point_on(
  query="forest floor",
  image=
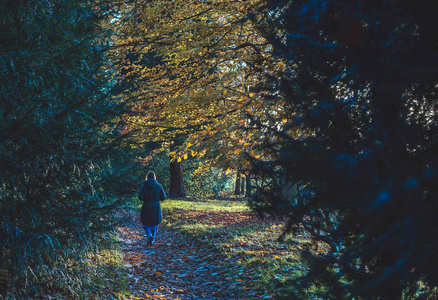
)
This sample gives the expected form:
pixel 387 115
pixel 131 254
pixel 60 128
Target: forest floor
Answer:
pixel 206 250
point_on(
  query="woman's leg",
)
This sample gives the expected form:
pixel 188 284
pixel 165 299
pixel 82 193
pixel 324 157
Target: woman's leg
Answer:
pixel 154 232
pixel 148 230
pixel 151 231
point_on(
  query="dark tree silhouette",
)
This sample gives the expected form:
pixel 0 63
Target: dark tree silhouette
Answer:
pixel 237 184
pixel 176 185
pixel 248 186
pixel 360 84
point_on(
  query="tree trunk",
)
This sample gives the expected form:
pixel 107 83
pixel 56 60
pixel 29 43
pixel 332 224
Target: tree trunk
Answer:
pixel 242 186
pixel 237 188
pixel 248 186
pixel 176 189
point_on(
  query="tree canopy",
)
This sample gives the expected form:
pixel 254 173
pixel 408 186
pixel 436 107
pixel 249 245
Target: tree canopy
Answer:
pixel 193 65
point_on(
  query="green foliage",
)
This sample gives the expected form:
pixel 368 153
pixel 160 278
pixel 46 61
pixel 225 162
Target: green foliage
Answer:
pixel 203 182
pixel 209 205
pixel 55 140
pixel 106 274
pixel 128 172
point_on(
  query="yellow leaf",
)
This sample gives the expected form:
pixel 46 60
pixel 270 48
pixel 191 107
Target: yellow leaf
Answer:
pixel 276 258
pixel 210 90
pixel 185 156
pixel 179 159
pixel 251 94
pixel 281 64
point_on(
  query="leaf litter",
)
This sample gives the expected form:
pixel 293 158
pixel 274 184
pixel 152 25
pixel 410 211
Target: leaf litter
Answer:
pixel 174 268
pixel 203 264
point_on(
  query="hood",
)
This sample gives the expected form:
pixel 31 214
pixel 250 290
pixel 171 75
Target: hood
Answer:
pixel 150 183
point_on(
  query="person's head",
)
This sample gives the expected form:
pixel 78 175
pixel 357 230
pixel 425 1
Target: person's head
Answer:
pixel 151 175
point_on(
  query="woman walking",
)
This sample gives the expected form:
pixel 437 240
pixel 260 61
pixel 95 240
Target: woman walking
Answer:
pixel 151 193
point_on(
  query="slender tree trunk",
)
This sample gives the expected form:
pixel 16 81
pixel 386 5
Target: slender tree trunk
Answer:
pixel 248 186
pixel 176 189
pixel 237 188
pixel 242 186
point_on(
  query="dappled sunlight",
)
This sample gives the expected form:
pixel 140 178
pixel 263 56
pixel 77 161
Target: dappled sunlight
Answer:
pixel 212 241
pixel 265 263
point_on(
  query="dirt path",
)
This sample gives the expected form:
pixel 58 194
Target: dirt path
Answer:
pixel 173 268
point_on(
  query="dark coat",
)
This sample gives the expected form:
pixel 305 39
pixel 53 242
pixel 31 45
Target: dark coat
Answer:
pixel 151 193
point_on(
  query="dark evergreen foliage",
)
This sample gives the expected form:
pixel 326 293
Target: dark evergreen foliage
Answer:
pixel 54 116
pixel 360 83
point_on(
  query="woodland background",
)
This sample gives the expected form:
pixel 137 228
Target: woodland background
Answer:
pixel 328 109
